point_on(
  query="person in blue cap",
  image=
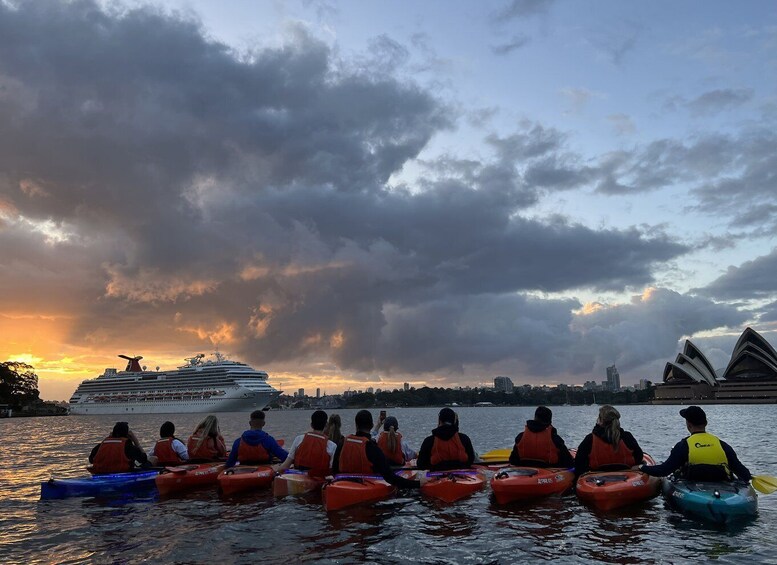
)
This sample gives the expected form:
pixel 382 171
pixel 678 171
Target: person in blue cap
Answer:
pixel 701 456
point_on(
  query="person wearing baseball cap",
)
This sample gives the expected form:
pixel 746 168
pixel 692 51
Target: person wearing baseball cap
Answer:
pixel 701 456
pixel 539 444
pixel 446 448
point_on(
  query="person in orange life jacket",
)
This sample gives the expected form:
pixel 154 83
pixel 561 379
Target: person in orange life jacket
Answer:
pixel 392 444
pixel 607 447
pixel 206 443
pixel 539 445
pixel 255 446
pixel 118 452
pixel 446 448
pixel 169 450
pixel 360 455
pixel 312 451
pixel 700 456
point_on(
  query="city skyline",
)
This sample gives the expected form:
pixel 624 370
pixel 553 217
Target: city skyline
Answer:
pixel 351 195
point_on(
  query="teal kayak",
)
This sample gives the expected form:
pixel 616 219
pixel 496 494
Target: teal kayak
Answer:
pixel 722 503
pixel 97 485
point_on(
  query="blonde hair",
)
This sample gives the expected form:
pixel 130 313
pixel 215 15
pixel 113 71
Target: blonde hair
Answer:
pixel 391 440
pixel 332 429
pixel 609 419
pixel 209 427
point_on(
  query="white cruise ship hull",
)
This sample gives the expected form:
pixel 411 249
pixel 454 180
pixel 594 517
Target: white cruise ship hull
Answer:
pixel 238 404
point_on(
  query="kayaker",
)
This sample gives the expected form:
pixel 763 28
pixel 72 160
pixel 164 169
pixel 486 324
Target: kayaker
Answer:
pixel 312 451
pixel 539 444
pixel 360 455
pixel 701 456
pixel 255 446
pixel 608 447
pixel 169 450
pixel 333 429
pixel 392 444
pixel 207 443
pixel 446 448
pixel 119 452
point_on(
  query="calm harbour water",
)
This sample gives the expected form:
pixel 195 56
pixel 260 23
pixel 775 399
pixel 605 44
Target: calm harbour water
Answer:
pixel 202 528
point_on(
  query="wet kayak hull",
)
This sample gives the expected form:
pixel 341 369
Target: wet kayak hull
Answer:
pixel 97 485
pixel 513 484
pixel 344 491
pixel 616 489
pixel 175 480
pixel 450 486
pixel 295 483
pixel 245 478
pixel 721 503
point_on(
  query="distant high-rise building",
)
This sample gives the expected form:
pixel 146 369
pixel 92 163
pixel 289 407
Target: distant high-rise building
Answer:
pixel 503 384
pixel 370 389
pixel 643 384
pixel 613 379
pixel 377 391
pixel 301 393
pixel 318 393
pixel 407 386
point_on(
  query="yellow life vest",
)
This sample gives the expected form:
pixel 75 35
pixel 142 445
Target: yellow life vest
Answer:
pixel 705 449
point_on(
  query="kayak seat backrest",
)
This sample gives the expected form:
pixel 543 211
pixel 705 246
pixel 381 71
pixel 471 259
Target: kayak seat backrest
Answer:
pixel 604 479
pixel 517 473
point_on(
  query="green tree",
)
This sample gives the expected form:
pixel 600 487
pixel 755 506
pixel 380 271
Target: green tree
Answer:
pixel 18 384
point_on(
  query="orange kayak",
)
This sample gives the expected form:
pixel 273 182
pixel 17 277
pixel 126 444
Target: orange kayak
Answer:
pixel 349 490
pixel 614 489
pixel 295 483
pixel 244 478
pixel 173 480
pixel 525 483
pixel 450 486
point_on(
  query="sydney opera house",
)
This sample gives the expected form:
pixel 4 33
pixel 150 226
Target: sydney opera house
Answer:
pixel 749 378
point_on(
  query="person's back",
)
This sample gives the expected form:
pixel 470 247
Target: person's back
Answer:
pixel 608 446
pixel 701 456
pixel 255 446
pixel 168 450
pixel 446 448
pixel 312 451
pixel 206 443
pixel 390 442
pixel 118 452
pixel 539 445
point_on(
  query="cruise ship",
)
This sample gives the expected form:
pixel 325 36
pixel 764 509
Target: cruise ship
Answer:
pixel 201 385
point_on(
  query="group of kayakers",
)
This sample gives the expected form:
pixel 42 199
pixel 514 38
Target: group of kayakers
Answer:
pixel 378 448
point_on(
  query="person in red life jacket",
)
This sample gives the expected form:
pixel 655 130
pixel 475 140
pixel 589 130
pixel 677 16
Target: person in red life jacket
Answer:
pixel 119 452
pixel 360 455
pixel 539 445
pixel 701 456
pixel 255 446
pixel 206 443
pixel 446 448
pixel 608 447
pixel 312 451
pixel 169 450
pixel 392 444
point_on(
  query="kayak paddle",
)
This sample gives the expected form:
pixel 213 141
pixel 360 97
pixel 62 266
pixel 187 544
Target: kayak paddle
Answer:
pixel 765 484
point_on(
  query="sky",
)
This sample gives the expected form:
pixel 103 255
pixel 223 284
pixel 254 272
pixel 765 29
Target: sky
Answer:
pixel 361 194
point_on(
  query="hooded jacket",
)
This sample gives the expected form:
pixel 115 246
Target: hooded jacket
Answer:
pixel 445 433
pixel 584 449
pixel 565 458
pixel 254 438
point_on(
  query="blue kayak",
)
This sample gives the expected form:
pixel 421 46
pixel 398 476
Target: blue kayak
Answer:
pixel 722 503
pixel 97 485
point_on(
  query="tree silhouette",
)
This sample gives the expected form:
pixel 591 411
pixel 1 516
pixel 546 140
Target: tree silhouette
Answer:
pixel 18 384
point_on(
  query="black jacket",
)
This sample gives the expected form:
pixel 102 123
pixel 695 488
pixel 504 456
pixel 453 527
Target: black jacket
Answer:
pixel 380 464
pixel 584 449
pixel 132 452
pixel 444 432
pixel 678 459
pixel 564 457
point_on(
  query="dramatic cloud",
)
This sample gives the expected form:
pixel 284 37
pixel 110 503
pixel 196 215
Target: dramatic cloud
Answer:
pixel 158 187
pixel 515 43
pixel 752 279
pixel 719 100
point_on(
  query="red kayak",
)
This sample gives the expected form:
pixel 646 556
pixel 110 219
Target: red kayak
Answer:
pixel 526 483
pixel 245 478
pixel 450 486
pixel 614 489
pixel 295 483
pixel 349 490
pixel 173 480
